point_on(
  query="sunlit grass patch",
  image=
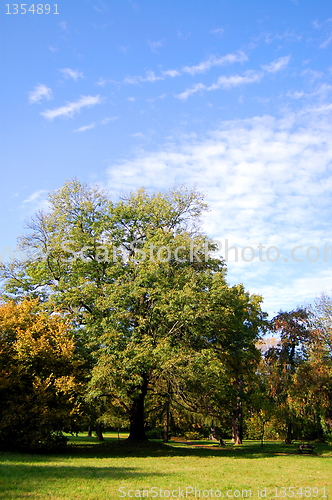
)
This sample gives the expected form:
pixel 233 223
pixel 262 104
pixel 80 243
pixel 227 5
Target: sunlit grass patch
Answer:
pixel 115 468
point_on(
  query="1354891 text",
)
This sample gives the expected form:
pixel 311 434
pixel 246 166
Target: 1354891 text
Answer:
pixel 34 8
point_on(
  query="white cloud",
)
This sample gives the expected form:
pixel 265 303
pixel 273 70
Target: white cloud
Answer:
pixel 204 66
pixel 63 26
pixel 296 94
pixel 72 107
pixel 40 92
pixel 188 92
pixel 290 36
pixel 85 127
pixel 152 100
pixel 101 26
pixel 35 196
pixel 217 31
pixel 171 72
pixel 71 73
pixel 101 7
pixel 267 181
pixel 299 292
pixel 154 46
pixel 225 82
pixel 321 92
pixel 101 82
pixel 277 65
pixel 312 74
pixel 183 36
pixel 318 25
pixel 150 77
pixel 35 202
pixel 326 43
pixel 109 119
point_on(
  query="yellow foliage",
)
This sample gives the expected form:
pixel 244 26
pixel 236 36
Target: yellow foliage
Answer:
pixel 38 375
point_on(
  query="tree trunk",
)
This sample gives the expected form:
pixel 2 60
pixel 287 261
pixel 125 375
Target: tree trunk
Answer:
pixel 289 435
pixel 89 431
pixel 263 432
pixel 319 427
pixel 213 434
pixel 237 428
pixel 99 432
pixel 136 416
pixel 166 422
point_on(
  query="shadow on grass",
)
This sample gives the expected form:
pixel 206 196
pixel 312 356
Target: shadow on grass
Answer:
pixel 83 447
pixel 21 469
pixel 122 448
pixel 21 479
pixel 22 473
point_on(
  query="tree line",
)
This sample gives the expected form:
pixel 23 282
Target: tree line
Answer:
pixel 121 315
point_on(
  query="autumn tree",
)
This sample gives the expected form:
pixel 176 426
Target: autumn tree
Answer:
pixel 315 377
pixel 284 363
pixel 39 377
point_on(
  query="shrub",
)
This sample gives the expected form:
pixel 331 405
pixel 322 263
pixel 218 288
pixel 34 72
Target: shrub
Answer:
pixel 154 434
pixel 193 436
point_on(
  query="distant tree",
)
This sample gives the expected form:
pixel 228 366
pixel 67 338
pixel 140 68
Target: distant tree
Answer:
pixel 284 363
pixel 315 377
pixel 39 377
pixel 261 406
pixel 234 357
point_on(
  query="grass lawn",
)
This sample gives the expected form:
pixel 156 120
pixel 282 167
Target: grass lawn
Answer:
pixel 89 470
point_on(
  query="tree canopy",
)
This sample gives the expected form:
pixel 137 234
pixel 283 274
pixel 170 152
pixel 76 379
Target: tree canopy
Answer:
pixel 150 309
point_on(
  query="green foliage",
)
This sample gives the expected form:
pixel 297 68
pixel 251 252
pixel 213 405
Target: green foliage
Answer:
pixel 154 433
pixel 193 436
pixel 150 301
pixel 165 339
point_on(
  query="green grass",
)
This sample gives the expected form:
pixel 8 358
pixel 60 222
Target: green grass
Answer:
pixel 89 470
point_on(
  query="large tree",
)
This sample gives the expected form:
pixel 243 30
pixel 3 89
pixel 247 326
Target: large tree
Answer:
pixel 140 282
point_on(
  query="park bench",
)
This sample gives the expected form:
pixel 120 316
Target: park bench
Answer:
pixel 306 448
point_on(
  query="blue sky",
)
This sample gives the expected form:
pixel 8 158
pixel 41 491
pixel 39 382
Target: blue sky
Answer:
pixel 230 96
